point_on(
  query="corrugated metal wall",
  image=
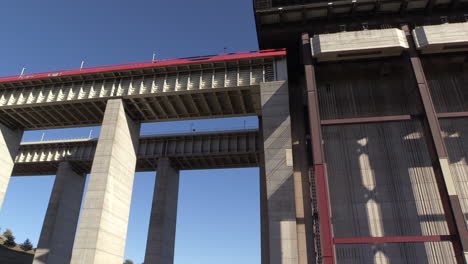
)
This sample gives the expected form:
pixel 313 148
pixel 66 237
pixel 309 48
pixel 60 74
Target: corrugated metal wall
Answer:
pixel 455 132
pixel 380 174
pixel 449 87
pixel 382 184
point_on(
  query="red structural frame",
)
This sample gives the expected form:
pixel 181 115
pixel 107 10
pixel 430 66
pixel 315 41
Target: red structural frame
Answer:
pixel 147 64
pixel 391 239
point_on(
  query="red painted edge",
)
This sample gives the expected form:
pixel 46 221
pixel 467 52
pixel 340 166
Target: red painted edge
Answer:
pixel 324 217
pixel 147 64
pixel 391 239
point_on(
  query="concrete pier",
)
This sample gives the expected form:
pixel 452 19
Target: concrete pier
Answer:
pixel 9 145
pixel 103 225
pixel 162 229
pixel 278 169
pixel 58 231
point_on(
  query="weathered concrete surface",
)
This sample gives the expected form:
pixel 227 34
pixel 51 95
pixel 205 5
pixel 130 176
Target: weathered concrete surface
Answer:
pixel 442 38
pixel 359 44
pixel 162 229
pixel 104 220
pixel 278 174
pixel 58 231
pixel 9 145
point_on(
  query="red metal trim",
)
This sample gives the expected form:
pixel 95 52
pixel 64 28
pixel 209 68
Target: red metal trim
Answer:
pixel 373 119
pixel 147 64
pixel 437 151
pixel 391 239
pixel 452 115
pixel 325 216
pixel 321 181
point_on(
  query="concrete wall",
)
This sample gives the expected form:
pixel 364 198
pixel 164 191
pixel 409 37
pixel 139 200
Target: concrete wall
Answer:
pixel 102 230
pixel 278 175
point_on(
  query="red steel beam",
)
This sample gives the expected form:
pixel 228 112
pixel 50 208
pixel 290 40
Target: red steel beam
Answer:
pixel 361 120
pixel 392 239
pixel 146 64
pixel 320 168
pixel 452 115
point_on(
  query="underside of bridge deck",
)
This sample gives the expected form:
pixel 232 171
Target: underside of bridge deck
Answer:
pixel 208 150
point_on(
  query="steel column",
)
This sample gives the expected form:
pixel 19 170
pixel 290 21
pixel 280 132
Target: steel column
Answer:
pixel 320 168
pixel 439 156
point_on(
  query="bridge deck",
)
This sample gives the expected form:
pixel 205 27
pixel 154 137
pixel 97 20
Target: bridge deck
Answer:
pixel 206 87
pixel 207 150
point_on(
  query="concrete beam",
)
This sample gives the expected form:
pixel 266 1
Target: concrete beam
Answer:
pixel 277 171
pixel 103 225
pixel 162 229
pixel 9 145
pixel 359 44
pixel 58 231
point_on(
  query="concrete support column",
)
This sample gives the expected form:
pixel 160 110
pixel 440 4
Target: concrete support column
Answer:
pixel 103 225
pixel 9 145
pixel 58 231
pixel 279 212
pixel 162 229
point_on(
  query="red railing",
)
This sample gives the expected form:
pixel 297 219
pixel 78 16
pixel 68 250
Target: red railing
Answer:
pixel 145 64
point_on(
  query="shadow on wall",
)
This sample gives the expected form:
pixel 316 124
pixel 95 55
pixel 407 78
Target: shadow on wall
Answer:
pixel 279 239
pixel 382 184
pixel 380 175
pixel 455 132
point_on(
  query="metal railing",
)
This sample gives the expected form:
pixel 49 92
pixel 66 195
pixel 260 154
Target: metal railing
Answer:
pixel 187 131
pixel 142 64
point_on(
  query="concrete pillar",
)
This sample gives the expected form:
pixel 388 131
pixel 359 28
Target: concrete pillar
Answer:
pixel 9 144
pixel 58 231
pixel 278 175
pixel 103 224
pixel 162 229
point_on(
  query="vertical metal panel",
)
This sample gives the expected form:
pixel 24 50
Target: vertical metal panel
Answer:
pixel 455 133
pixel 382 184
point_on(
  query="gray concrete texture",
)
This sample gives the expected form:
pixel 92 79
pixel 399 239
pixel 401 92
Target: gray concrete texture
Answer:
pixel 58 231
pixel 9 145
pixel 161 234
pixel 276 129
pixel 103 225
pixel 359 44
pixel 435 38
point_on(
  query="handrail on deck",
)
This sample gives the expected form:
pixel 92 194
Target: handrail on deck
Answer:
pixel 143 64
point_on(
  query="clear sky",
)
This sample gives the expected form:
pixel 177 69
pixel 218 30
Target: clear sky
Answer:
pixel 218 216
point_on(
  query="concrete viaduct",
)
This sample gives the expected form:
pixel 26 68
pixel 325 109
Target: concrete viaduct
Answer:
pixel 120 98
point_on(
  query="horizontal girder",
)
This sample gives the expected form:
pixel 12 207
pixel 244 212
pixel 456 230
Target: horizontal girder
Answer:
pixel 187 94
pixel 228 149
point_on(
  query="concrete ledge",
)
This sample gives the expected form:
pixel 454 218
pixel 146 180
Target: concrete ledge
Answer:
pixel 442 38
pixel 359 44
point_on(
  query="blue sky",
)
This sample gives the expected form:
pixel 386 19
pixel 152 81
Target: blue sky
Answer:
pixel 218 217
